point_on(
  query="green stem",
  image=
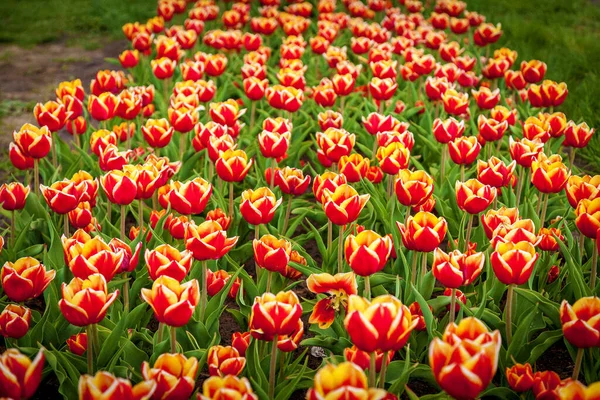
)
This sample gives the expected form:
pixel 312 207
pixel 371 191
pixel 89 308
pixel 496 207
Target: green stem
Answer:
pixel 182 145
pixel 462 172
pixel 90 350
pixel 126 292
pixel 230 199
pixel 273 167
pixel 413 275
pixel 578 361
pixel 66 224
pixel 372 370
pixel 108 211
pixel 329 234
pixel 509 306
pixel 96 339
pixel 288 211
pixel 273 368
pixel 544 208
pixel 123 214
pixel 141 216
pixel 36 176
pixel 252 115
pixel 383 371
pixel 341 250
pixel 159 332
pixel 257 232
pixel 367 287
pixel 443 163
pixel 12 229
pixel 452 305
pixel 173 331
pixel 203 293
pixel 594 266
pixel 269 280
pixel 469 229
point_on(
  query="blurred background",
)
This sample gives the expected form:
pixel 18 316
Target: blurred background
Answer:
pixel 43 42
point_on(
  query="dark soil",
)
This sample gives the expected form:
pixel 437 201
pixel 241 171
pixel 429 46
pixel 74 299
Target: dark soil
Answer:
pixel 557 359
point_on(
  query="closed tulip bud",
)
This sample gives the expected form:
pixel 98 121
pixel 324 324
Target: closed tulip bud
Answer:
pixel 32 141
pixel 582 187
pixel 588 217
pixel 173 303
pixel 367 252
pixel 455 103
pixel 219 216
pixel 119 187
pixel 513 262
pixel 19 376
pixel 81 216
pixel 14 321
pixel 233 165
pixel 13 196
pixel 382 89
pixel 435 87
pixel 494 218
pixel 52 115
pixel 343 205
pixel 258 206
pixel 524 151
pixel 328 180
pixel 413 188
pixel 157 132
pixel 129 105
pixel 86 301
pixel 271 253
pixel 547 241
pixel 102 107
pixel 240 341
pixel 382 324
pixel 273 144
pixel 77 344
pixel 417 315
pixel 549 174
pixel 447 130
pixel 520 377
pixel 473 196
pixel 18 159
pixel 177 226
pixel 225 388
pixel 465 359
pixel 577 136
pixel 581 322
pixel 163 67
pixel 101 139
pixel 354 167
pixel 190 198
pixel 167 260
pixel 216 281
pixel 335 143
pixel 104 385
pixel 208 241
pixel 456 269
pixel 274 315
pixel 423 232
pixel 76 123
pixel 533 71
pixel 225 360
pixel 174 375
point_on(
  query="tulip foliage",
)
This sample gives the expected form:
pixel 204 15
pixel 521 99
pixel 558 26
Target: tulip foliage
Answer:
pixel 303 199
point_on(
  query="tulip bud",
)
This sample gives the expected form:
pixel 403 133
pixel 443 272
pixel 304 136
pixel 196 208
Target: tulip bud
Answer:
pixel 14 321
pixel 19 376
pixel 174 375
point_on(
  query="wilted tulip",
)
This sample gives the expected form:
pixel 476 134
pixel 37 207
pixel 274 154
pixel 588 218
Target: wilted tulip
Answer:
pixel 338 287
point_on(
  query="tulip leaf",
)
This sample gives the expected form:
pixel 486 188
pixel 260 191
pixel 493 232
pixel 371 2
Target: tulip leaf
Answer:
pixel 111 344
pixel 430 321
pixel 542 343
pixel 68 376
pixel 575 277
pixel 285 388
pixel 522 333
pixel 548 307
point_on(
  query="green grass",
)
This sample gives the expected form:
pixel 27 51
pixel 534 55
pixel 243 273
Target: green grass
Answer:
pixel 565 35
pixel 81 22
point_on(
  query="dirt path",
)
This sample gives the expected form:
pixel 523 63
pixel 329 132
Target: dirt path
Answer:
pixel 30 75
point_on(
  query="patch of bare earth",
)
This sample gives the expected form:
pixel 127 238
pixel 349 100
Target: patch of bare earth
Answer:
pixel 30 75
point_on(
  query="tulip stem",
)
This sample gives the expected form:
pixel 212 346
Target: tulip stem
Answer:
pixel 368 287
pixel 288 211
pixel 382 373
pixel 413 275
pixel 66 224
pixel 203 293
pixel 123 214
pixel 273 368
pixel 342 104
pixel 36 176
pixel 231 199
pixel 252 115
pixel 594 266
pixel 159 332
pixel 173 331
pixel 269 279
pixel 578 360
pixel 462 172
pixel 340 250
pixel 126 292
pixel 273 167
pixel 469 229
pixel 90 350
pixel 372 370
pixel 443 163
pixel 452 305
pixel 329 234
pixel 544 208
pixel 571 157
pixel 12 229
pixel 509 306
pixel 108 211
pixel 182 145
pixel 54 157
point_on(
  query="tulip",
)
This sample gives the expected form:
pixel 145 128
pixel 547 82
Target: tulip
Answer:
pixel 344 204
pixel 330 119
pixel 362 358
pixel 335 143
pixel 183 117
pixel 465 359
pixel 86 301
pixel 119 187
pixel 495 172
pixel 25 279
pixel 284 97
pixel 545 384
pixel 191 197
pixel 240 341
pixel 393 158
pixel 328 180
pixel 447 130
pixel 32 141
pixel 522 230
pixel 582 187
pixel 547 241
pixel 464 150
pixel 97 257
pixel 78 343
pixel 208 241
pixel 413 188
pixel 343 381
pixel 216 281
pixel 513 262
pixel 19 160
pixel 456 269
pixel 273 144
pixel 423 232
pixel 167 260
pixel 233 165
pixel 19 376
pixel 230 386
pixel 455 103
pixel 14 321
pixel 382 89
pixel 354 167
pixel 490 129
pixel 102 107
pixel 338 287
pixel 485 98
pixel 259 206
pixel 524 151
pixel 173 303
pixel 549 174
pixel 577 136
pixel 274 315
pixel 291 181
pixel 473 196
pixel 494 218
pixel 174 375
pixel 219 216
pixel 225 360
pixel 104 385
pixel 573 389
pixel 52 115
pixel 226 113
pixel 367 252
pixel 157 132
pixel 520 377
pixel 271 253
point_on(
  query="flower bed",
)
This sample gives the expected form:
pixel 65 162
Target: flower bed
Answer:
pixel 313 200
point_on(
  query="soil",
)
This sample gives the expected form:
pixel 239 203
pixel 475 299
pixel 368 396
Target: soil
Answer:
pixel 557 359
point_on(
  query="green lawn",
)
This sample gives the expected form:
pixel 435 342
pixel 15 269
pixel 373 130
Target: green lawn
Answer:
pixel 566 35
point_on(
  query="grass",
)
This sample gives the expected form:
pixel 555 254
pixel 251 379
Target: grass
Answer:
pixel 82 22
pixel 565 35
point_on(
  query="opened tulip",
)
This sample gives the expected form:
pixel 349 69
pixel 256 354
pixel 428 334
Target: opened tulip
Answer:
pixel 274 315
pixel 456 269
pixel 32 141
pixel 96 257
pixel 465 359
pixel 167 260
pixel 343 205
pixel 581 322
pixel 190 198
pixel 524 151
pixel 25 279
pixel 367 252
pixel 447 130
pixel 495 172
pixel 271 253
pixel 473 196
pixel 208 241
pixel 520 377
pixel 393 158
pixel 19 376
pixel 228 387
pixel 174 375
pixel 464 150
pixel 513 262
pixel 86 301
pixel 413 188
pixel 13 196
pixel 103 107
pixel 423 232
pixel 354 167
pixel 14 321
pixel 577 136
pixel 259 206
pixel 338 287
pixel 573 389
pixel 225 360
pixel 105 385
pixel 173 303
pixel 549 174
pixel 233 165
pixel 119 187
pixel 52 115
pixel 382 324
pixel 494 218
pixel 273 144
pixel 78 343
pixel 343 381
pixel 335 143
